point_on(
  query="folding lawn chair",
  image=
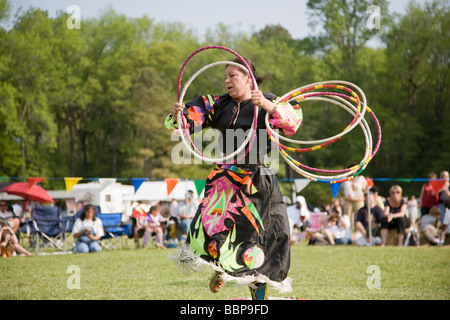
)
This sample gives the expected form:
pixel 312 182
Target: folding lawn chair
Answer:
pixel 67 223
pixel 114 230
pixel 47 227
pixel 27 231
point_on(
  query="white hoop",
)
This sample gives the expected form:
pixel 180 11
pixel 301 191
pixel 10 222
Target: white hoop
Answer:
pixel 338 100
pixel 345 131
pixel 191 148
pixel 366 131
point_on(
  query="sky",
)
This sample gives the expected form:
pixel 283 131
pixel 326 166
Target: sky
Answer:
pixel 242 15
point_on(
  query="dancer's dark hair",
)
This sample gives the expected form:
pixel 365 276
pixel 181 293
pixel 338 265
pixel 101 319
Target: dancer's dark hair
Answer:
pixel 258 79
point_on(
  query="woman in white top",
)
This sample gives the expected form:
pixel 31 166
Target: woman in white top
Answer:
pixel 338 228
pixel 88 230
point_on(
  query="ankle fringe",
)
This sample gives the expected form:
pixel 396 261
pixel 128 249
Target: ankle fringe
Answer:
pixel 188 263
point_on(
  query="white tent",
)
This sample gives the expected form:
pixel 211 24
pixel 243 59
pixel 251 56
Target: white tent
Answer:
pixel 106 193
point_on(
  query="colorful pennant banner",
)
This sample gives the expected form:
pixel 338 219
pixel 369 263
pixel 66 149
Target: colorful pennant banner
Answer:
pixel 137 183
pixel 437 184
pixel 70 182
pixel 171 183
pixel 301 184
pixel 335 189
pixel 33 181
pixel 199 185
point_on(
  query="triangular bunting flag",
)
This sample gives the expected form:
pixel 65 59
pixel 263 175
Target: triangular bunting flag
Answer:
pixel 437 184
pixel 137 183
pixel 369 182
pixel 171 183
pixel 33 181
pixel 335 189
pixel 70 182
pixel 199 185
pixel 301 184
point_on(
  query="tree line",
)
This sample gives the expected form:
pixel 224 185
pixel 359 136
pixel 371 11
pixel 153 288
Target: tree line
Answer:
pixel 91 102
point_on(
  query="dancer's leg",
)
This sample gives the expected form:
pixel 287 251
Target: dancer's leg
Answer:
pixel 259 292
pixel 216 282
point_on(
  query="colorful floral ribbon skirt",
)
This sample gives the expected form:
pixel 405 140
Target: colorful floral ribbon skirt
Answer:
pixel 241 227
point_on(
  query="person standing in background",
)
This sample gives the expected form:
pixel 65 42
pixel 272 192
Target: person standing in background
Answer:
pixel 443 194
pixel 428 197
pixel 354 190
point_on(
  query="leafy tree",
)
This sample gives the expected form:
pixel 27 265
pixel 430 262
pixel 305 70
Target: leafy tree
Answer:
pixel 418 64
pixel 28 89
pixel 345 30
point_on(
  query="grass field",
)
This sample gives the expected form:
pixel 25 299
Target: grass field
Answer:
pixel 318 273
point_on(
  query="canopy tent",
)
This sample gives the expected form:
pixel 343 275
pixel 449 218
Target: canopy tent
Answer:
pixel 106 193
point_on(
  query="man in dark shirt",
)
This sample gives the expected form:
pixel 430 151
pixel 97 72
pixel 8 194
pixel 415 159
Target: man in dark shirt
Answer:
pixel 362 222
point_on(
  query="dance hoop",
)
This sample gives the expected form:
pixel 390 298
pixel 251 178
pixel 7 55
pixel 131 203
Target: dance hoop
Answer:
pixel 184 127
pixel 353 94
pixel 297 94
pixel 342 101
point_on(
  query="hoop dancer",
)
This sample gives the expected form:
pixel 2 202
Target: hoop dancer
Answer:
pixel 241 227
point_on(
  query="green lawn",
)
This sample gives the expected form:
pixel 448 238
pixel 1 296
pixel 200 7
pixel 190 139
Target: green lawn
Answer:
pixel 318 273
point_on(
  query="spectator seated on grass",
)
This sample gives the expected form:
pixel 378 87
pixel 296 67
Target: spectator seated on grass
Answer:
pixel 88 230
pixel 394 216
pixel 155 226
pixel 335 228
pixel 428 226
pixel 362 235
pixel 338 227
pixel 138 220
pixel 9 244
pixel 445 227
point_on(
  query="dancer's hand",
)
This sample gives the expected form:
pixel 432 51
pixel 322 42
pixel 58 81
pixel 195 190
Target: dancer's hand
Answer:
pixel 259 99
pixel 175 108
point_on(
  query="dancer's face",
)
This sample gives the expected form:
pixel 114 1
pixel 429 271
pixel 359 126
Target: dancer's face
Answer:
pixel 238 83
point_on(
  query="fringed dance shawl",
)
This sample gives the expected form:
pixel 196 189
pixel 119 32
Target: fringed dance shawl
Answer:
pixel 241 226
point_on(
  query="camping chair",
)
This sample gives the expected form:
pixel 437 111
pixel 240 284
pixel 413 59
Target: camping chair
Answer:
pixel 112 224
pixel 47 225
pixel 27 231
pixel 67 223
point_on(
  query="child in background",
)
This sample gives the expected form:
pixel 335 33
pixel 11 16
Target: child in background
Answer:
pixel 428 225
pixel 154 224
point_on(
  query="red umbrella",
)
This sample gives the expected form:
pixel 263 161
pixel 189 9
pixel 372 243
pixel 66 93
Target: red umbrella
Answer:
pixel 29 192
